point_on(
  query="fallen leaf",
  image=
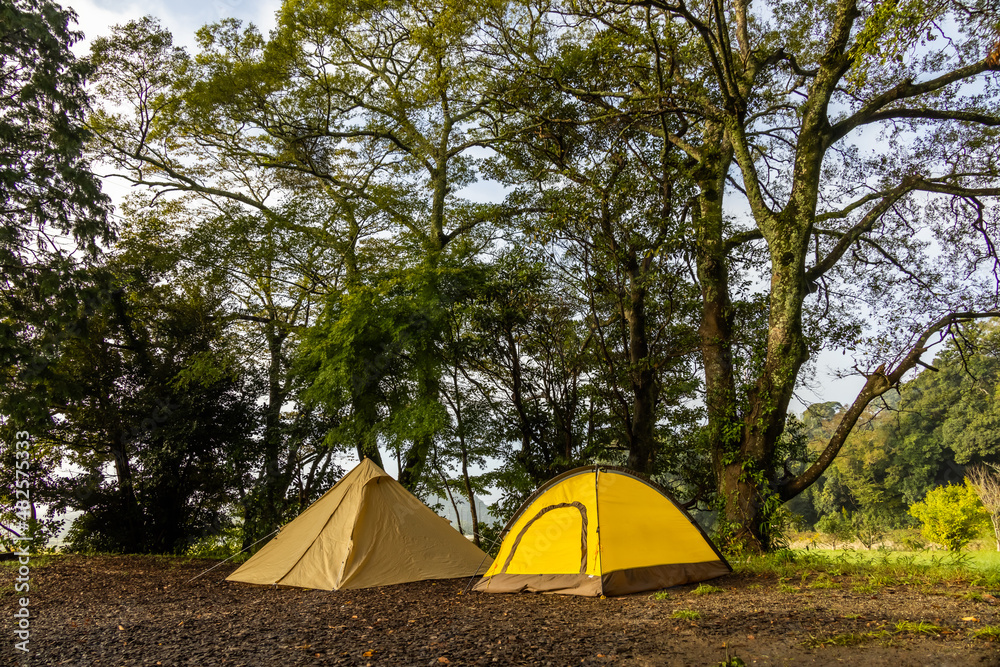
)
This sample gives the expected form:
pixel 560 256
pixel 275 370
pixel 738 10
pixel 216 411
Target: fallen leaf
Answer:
pixel 443 660
pixel 121 627
pixel 367 654
pixel 971 619
pixel 749 636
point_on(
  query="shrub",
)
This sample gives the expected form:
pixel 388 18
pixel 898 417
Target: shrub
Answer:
pixel 836 526
pixel 951 515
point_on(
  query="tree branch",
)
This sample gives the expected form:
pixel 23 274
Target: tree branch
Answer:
pixel 904 90
pixel 876 384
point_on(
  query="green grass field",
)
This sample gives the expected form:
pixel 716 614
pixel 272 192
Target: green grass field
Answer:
pixel 971 559
pixel 879 568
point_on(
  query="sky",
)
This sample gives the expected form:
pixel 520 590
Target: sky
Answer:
pixel 184 17
pixel 181 17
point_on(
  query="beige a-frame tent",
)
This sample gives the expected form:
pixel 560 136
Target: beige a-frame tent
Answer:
pixel 600 530
pixel 367 530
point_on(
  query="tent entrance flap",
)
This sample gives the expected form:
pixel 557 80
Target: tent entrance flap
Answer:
pixel 546 539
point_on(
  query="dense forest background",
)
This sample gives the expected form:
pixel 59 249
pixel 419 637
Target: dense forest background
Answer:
pixel 687 206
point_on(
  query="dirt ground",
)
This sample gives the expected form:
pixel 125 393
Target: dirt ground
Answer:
pixel 89 611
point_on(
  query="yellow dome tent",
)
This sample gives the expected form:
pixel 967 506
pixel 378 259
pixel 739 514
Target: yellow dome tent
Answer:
pixel 601 531
pixel 367 530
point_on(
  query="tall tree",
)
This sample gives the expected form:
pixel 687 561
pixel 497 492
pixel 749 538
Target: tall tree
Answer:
pixel 53 215
pixel 148 389
pixel 46 186
pixel 271 280
pixel 525 350
pixel 609 205
pixel 258 234
pixel 378 107
pixel 776 107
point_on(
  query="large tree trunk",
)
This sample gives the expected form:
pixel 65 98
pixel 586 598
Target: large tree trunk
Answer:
pixel 642 445
pixel 130 514
pixel 725 430
pixel 264 508
pixel 427 332
pixel 746 482
pixel 364 384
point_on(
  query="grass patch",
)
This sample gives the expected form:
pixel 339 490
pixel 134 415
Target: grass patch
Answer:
pixel 866 572
pixel 918 628
pixel 880 635
pixel 686 614
pixel 36 561
pixel 849 639
pixel 824 581
pixel 785 587
pixel 732 661
pixel 707 589
pixel 990 633
pixel 660 595
pixel 973 596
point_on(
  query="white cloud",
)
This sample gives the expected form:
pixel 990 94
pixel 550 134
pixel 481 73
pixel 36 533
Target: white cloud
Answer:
pixel 95 18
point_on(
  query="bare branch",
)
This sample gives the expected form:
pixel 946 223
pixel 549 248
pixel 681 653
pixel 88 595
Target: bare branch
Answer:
pixel 876 384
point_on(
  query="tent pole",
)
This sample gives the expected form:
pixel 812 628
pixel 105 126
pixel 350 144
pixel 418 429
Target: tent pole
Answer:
pixel 597 523
pixel 486 555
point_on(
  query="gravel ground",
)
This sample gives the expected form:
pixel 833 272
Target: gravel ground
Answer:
pixel 89 611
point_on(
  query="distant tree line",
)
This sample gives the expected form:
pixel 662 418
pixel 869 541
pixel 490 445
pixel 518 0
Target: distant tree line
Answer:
pixel 938 427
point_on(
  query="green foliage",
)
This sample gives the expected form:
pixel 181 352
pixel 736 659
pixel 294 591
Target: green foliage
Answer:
pixel 222 545
pixel 707 589
pixel 951 515
pixel 686 614
pixel 988 633
pixel 836 526
pixel 918 627
pixel 149 390
pixel 40 531
pixel 45 183
pixel 785 587
pixel 940 423
pixel 53 219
